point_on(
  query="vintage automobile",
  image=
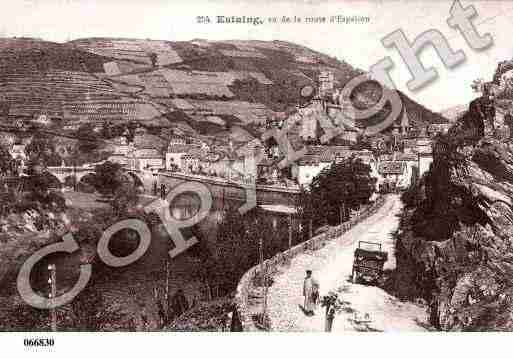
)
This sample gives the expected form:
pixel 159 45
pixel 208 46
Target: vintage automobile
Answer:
pixel 368 263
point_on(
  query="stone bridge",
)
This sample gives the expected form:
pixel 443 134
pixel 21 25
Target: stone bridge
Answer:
pixel 222 188
pixel 219 187
pixel 67 174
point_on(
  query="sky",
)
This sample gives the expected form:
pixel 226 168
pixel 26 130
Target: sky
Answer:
pixel 358 44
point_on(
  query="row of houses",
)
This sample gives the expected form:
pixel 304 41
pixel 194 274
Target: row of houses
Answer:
pixel 188 155
pixel 396 170
pixel 253 162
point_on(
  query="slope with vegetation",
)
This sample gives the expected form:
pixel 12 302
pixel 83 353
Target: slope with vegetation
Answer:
pixel 454 245
pixel 100 80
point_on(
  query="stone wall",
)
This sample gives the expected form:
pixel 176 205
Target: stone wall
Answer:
pixel 246 284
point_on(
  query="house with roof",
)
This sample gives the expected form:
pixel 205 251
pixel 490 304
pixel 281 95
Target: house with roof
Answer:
pixel 189 163
pixel 120 159
pixel 245 159
pixel 339 152
pixel 412 163
pixel 120 145
pixel 17 152
pixel 218 167
pixel 173 157
pixel 317 159
pixel 146 158
pixel 503 121
pixel 366 156
pixel 120 149
pixel 268 171
pixel 177 140
pixel 438 128
pixel 410 145
pixel 393 174
pixel 425 155
pixel 409 158
pixel 310 165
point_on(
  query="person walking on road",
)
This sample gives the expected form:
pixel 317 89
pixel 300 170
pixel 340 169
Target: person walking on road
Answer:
pixel 310 292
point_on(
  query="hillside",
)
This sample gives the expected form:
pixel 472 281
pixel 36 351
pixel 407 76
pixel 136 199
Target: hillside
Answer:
pixel 209 86
pixel 454 247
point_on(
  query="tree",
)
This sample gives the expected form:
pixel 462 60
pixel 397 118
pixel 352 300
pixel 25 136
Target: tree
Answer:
pixel 7 163
pixel 205 265
pixel 125 199
pixel 238 244
pixel 38 184
pixel 343 186
pixel 108 178
pixel 88 232
pixel 89 312
pixel 231 261
pixel 41 148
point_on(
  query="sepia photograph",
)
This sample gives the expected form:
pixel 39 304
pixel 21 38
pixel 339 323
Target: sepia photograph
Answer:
pixel 255 167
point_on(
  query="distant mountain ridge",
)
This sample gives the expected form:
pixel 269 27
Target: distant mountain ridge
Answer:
pixel 206 86
pixel 453 113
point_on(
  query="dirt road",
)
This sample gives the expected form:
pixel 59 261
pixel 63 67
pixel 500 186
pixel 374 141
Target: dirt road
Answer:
pixel 331 266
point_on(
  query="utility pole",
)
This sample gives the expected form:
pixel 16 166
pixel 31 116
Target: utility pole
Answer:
pixel 263 274
pixel 223 200
pixel 261 254
pixel 74 174
pixel 311 230
pixel 167 297
pixel 52 281
pixel 266 289
pixel 290 230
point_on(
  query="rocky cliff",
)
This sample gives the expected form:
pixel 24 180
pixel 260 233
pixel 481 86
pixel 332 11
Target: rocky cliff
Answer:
pixel 454 246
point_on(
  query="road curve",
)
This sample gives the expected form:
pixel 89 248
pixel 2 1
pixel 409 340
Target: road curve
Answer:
pixel 331 266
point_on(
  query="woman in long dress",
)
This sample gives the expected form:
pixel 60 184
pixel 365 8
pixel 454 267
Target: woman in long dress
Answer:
pixel 310 292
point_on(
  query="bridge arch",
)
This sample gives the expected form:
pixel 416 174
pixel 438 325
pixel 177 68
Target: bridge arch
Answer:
pixel 53 180
pixel 63 173
pixel 81 175
pixel 85 183
pixel 70 181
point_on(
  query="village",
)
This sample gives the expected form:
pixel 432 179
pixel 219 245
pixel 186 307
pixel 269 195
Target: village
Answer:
pixel 250 169
pixel 396 159
pixel 300 169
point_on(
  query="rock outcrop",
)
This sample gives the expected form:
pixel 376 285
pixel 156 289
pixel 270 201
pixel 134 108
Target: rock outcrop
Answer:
pixel 454 246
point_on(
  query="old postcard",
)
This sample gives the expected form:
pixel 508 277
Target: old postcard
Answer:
pixel 255 166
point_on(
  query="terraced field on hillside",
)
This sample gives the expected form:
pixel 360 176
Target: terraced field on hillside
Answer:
pixel 201 83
